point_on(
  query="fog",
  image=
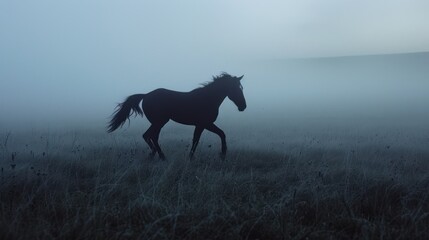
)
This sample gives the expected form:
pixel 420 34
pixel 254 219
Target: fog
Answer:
pixel 67 64
pixel 333 143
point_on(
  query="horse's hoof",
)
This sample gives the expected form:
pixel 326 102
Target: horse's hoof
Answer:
pixel 222 156
pixel 162 156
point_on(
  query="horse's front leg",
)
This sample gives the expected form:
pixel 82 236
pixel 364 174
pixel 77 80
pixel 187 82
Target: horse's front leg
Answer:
pixel 197 134
pixel 214 129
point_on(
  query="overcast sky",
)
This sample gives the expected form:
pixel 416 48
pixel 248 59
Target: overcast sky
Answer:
pixel 197 29
pixel 82 50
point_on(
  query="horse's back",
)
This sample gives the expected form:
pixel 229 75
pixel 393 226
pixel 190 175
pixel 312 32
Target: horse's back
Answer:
pixel 162 97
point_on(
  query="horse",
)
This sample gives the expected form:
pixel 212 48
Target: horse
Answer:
pixel 199 108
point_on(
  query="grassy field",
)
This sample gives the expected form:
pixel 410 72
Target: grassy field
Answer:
pixel 90 185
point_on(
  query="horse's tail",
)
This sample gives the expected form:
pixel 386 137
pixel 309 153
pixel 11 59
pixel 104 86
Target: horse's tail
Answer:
pixel 125 110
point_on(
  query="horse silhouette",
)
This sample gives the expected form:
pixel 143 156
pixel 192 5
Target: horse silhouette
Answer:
pixel 199 107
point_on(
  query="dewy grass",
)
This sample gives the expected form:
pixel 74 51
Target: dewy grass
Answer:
pixel 89 186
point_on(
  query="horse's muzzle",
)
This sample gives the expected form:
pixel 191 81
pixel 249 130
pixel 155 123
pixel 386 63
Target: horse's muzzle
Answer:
pixel 241 108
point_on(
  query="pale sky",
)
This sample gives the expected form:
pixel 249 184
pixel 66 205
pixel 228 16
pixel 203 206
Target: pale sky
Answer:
pixel 197 29
pixel 102 50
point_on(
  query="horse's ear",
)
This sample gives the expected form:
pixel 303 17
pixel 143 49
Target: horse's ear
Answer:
pixel 241 77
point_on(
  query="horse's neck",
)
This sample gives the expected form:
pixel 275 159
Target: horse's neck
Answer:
pixel 213 95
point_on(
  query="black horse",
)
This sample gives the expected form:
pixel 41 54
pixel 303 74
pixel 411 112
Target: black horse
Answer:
pixel 199 107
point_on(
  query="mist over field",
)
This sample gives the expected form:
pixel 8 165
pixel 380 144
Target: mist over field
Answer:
pixel 380 92
pixel 333 143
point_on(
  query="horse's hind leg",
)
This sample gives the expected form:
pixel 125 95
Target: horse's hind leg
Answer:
pixel 147 137
pixel 155 137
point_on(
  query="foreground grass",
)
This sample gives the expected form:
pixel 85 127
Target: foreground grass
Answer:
pixel 60 188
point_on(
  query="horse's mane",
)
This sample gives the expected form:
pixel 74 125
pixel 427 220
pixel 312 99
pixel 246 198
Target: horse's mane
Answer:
pixel 217 79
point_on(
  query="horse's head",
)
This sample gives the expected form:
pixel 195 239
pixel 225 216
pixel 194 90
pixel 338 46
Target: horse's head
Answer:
pixel 235 92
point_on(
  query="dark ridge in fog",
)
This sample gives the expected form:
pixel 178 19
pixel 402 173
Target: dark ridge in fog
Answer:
pixel 387 56
pixel 384 87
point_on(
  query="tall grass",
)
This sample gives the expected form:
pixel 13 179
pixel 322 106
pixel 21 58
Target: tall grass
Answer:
pixel 89 186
